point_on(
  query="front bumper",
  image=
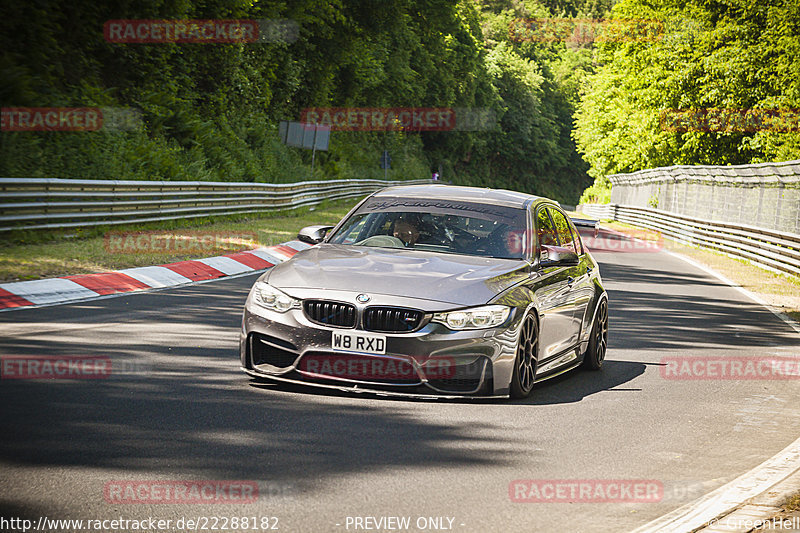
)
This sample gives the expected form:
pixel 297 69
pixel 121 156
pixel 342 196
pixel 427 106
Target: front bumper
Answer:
pixel 433 361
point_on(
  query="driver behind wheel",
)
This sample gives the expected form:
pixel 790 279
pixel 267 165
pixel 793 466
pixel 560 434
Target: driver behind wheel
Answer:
pixel 406 230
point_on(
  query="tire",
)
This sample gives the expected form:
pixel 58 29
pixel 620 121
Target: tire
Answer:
pixel 598 341
pixel 524 373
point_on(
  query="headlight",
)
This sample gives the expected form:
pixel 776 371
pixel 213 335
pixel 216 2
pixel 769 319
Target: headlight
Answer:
pixel 268 296
pixel 488 316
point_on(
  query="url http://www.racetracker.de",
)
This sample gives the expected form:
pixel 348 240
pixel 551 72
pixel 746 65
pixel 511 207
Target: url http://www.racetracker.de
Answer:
pixel 124 525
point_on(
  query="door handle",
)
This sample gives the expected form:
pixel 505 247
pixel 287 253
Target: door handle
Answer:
pixel 589 270
pixel 570 280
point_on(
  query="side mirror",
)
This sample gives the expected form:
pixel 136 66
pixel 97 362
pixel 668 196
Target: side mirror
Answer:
pixel 313 234
pixel 557 256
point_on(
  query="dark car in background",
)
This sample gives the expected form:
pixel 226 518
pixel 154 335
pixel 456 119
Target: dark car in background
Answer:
pixel 431 290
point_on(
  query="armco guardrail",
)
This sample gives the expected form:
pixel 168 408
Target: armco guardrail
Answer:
pixel 770 249
pixel 43 203
pixel 598 211
pixel 766 195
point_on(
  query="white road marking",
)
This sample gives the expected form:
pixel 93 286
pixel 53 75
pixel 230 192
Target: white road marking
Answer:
pixel 700 512
pixel 726 498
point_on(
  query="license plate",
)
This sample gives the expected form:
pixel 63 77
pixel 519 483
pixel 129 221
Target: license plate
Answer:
pixel 358 343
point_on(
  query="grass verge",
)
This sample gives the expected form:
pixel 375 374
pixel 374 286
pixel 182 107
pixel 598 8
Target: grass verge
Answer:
pixel 786 520
pixel 782 292
pixel 793 504
pixel 153 244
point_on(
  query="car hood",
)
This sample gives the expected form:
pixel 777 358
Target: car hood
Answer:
pixel 457 279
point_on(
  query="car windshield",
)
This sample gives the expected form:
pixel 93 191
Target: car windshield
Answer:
pixel 442 226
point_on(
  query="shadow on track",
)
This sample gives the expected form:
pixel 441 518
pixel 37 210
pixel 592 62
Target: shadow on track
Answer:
pixel 685 317
pixel 190 412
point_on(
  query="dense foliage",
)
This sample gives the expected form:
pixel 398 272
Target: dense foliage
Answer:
pixel 719 55
pixel 211 112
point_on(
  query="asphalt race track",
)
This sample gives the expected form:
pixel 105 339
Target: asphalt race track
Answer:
pixel 177 407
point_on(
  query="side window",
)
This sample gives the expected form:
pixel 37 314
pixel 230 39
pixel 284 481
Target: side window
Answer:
pixel 578 238
pixel 565 235
pixel 545 232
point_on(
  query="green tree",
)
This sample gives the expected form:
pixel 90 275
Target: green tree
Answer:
pixel 741 54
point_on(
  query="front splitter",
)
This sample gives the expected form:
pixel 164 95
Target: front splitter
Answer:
pixel 377 392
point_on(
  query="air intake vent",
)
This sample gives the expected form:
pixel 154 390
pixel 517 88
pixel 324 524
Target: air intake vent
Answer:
pixel 271 351
pixel 330 313
pixel 392 319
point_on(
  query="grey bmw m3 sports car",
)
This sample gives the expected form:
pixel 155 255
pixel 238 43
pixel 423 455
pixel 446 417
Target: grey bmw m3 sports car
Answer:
pixel 432 291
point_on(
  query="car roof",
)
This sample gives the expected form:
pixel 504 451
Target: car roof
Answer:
pixel 465 194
